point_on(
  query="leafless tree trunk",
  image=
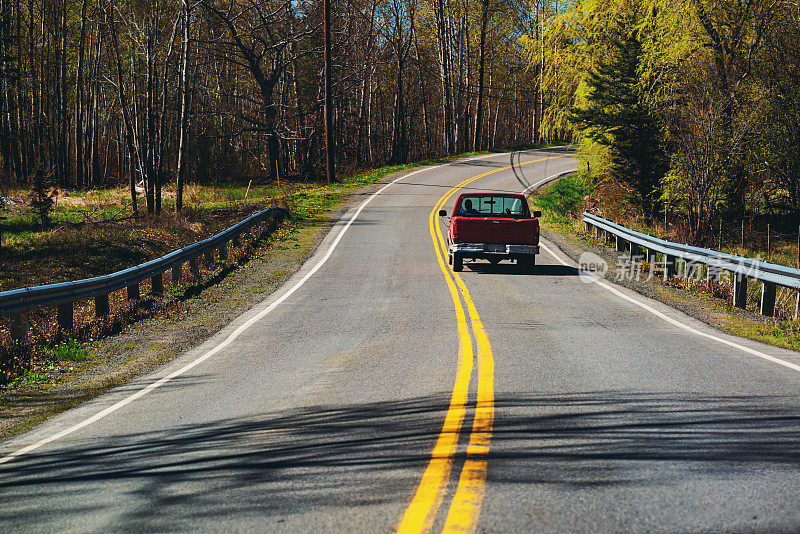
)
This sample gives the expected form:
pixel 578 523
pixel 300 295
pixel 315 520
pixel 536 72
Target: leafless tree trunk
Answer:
pixel 425 119
pixel 79 98
pixel 183 121
pixel 130 135
pixel 482 62
pixel 330 171
pixel 444 73
pixel 460 85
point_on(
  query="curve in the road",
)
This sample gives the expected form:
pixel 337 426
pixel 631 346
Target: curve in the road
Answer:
pixel 466 504
pixel 323 415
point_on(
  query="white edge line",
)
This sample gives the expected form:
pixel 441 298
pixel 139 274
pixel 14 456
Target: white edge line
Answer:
pixel 545 180
pixel 232 337
pixel 679 324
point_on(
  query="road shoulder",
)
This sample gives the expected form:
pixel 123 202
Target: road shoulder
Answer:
pixel 712 311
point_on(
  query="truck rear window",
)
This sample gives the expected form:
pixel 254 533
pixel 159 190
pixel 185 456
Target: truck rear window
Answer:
pixel 492 206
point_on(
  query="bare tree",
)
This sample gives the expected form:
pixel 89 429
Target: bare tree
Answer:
pixel 260 34
pixel 183 121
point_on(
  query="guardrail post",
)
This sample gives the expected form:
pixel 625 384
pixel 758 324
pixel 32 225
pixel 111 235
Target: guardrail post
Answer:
pixel 768 290
pixel 620 243
pixel 670 266
pixel 652 257
pixel 157 284
pixel 101 307
pixel 740 290
pixel 133 292
pixel 194 268
pixel 713 273
pixel 223 252
pixel 19 327
pixel 635 252
pixel 236 242
pixel 177 273
pixel 65 316
pixel 209 258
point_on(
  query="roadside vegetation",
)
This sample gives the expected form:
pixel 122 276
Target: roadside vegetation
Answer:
pixel 687 114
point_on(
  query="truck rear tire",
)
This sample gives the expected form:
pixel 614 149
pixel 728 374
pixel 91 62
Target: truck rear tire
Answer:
pixel 458 262
pixel 527 263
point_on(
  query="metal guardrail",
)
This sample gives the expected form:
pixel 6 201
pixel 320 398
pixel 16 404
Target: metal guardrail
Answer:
pixel 770 274
pixel 64 294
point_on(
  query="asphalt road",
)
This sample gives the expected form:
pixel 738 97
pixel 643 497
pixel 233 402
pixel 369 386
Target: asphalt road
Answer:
pixel 338 404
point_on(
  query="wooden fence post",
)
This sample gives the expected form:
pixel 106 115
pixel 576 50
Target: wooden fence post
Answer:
pixel 194 268
pixel 157 284
pixel 768 291
pixel 133 291
pixel 740 290
pixel 713 273
pixel 670 266
pixel 101 306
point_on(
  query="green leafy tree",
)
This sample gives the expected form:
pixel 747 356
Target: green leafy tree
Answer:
pixel 42 197
pixel 615 115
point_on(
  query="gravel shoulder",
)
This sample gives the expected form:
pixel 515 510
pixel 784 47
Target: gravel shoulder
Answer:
pixel 148 344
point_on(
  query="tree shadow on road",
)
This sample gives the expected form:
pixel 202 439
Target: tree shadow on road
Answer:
pixel 372 453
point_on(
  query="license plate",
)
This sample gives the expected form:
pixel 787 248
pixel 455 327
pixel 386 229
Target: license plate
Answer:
pixel 495 248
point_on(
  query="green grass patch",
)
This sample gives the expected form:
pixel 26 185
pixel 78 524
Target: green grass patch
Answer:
pixel 70 350
pixel 560 201
pixel 35 377
pixel 785 334
pixel 563 198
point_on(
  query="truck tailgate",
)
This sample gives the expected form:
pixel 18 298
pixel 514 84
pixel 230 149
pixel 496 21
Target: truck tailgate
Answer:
pixel 506 231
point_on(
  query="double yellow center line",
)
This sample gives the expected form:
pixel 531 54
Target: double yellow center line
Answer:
pixel 466 504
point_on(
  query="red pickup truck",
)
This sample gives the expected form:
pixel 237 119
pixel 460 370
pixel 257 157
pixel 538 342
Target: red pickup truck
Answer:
pixel 492 226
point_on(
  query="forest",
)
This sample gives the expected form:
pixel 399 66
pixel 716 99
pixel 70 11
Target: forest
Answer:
pixel 687 112
pixel 96 93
